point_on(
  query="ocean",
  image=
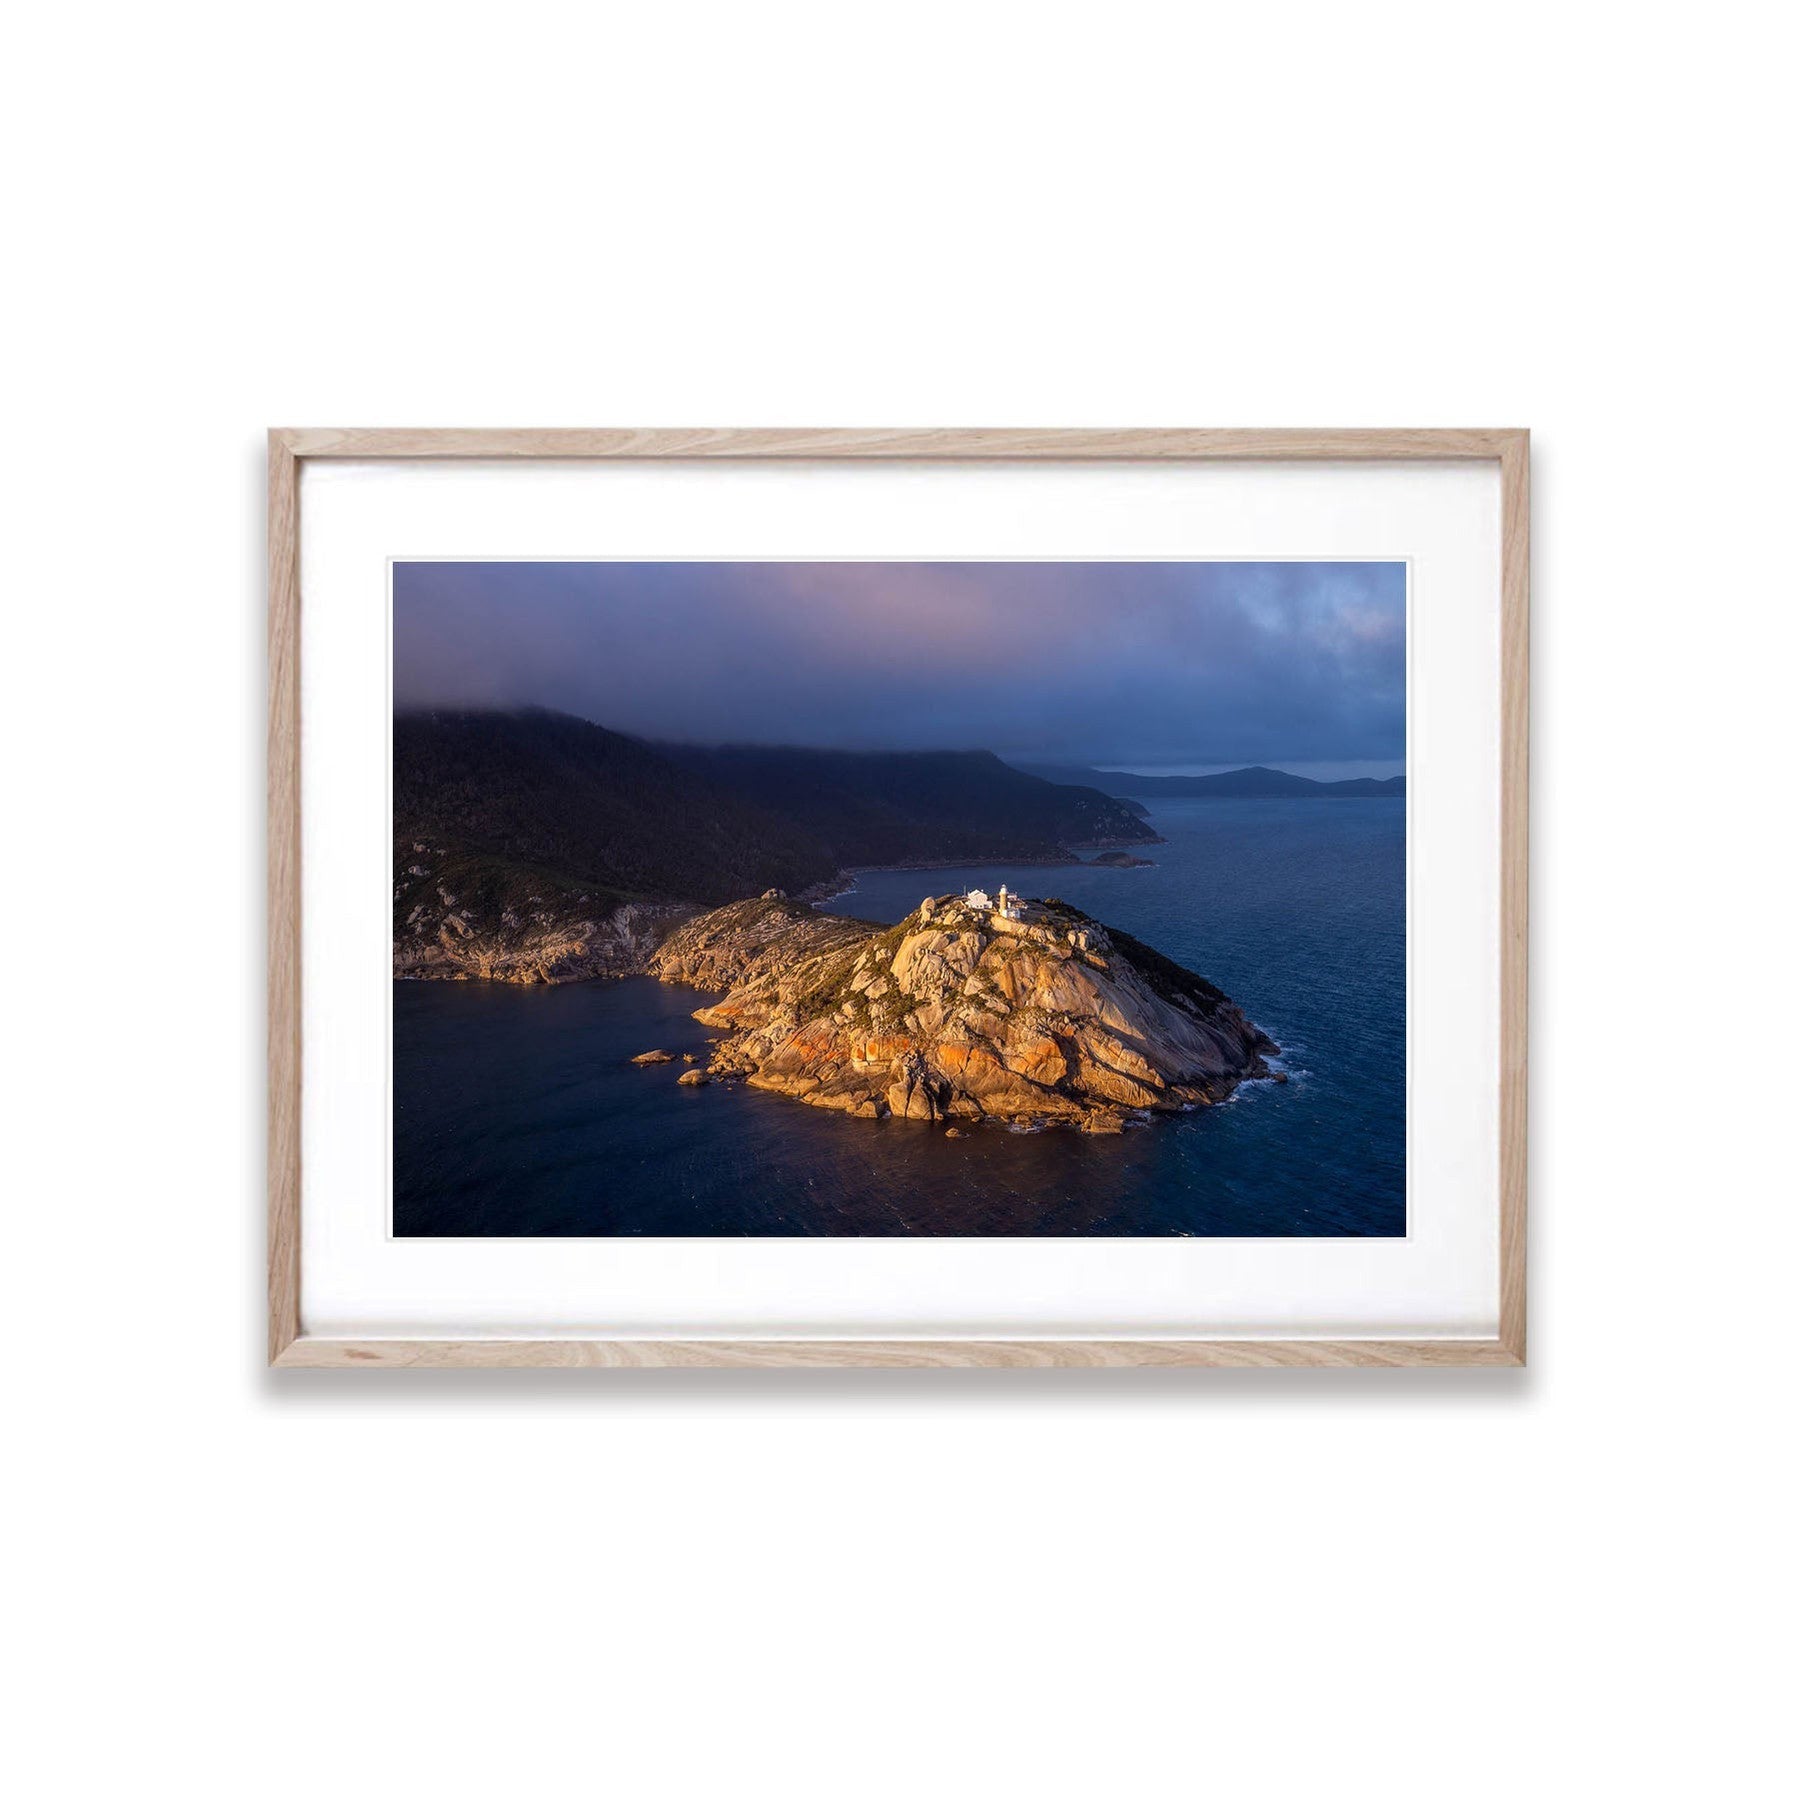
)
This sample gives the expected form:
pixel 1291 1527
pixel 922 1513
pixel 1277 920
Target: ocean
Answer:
pixel 517 1112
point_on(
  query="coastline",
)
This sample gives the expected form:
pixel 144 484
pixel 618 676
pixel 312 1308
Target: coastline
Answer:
pixel 527 970
pixel 513 1099
pixel 844 881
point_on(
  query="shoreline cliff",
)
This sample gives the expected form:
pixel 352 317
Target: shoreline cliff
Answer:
pixel 959 1015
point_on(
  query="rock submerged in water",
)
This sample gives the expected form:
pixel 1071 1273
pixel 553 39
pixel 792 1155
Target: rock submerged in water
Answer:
pixel 957 1015
pixel 650 1057
pixel 694 1077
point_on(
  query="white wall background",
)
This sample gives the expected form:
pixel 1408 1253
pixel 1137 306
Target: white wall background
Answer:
pixel 1571 217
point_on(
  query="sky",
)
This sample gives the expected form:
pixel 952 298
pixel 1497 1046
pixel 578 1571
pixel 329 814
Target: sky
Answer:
pixel 1169 666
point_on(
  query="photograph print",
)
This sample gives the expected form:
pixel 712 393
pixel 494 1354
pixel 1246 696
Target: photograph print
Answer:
pixel 972 899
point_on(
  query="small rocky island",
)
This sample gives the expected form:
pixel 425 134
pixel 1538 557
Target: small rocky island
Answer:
pixel 1025 1013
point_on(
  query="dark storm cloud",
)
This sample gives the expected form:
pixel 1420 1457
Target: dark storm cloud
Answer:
pixel 1138 663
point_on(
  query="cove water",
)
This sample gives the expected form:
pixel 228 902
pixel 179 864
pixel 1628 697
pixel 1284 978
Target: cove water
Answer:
pixel 517 1112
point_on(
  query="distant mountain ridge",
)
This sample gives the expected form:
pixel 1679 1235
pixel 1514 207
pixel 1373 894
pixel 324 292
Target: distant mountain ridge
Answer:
pixel 1236 783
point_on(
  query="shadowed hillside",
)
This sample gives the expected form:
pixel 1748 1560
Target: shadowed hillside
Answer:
pixel 937 806
pixel 532 846
pixel 555 794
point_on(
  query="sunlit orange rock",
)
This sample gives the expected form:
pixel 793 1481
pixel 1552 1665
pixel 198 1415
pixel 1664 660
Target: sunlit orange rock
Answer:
pixel 1042 1017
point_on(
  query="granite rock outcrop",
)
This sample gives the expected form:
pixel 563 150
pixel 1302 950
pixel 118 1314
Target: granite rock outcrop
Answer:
pixel 958 1014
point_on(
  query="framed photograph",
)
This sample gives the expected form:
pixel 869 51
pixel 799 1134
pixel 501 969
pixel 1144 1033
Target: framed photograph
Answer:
pixel 782 898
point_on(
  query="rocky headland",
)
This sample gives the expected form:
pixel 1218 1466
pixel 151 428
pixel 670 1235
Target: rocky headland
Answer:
pixel 451 924
pixel 958 1015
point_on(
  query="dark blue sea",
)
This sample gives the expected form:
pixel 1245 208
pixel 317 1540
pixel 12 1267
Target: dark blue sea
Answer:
pixel 517 1113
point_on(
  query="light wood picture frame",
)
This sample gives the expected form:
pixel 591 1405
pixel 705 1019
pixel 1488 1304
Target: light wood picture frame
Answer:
pixel 290 449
